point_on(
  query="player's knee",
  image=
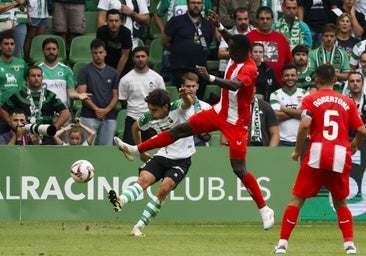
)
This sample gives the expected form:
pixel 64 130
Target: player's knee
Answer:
pixel 240 172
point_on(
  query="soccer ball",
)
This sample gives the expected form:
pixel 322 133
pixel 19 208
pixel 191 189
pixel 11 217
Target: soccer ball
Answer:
pixel 82 171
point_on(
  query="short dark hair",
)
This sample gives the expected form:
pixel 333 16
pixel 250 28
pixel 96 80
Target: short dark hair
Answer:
pixel 6 35
pixel 325 74
pixel 33 67
pixel 257 44
pixel 288 66
pixel 265 9
pixel 240 10
pixel 240 42
pixel 96 43
pixel 330 27
pixel 113 12
pixel 16 111
pixel 48 41
pixel 355 73
pixel 300 48
pixel 158 97
pixel 139 49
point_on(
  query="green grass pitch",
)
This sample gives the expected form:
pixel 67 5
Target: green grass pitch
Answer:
pixel 57 238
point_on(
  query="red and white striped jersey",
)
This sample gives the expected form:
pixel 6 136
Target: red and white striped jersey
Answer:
pixel 332 116
pixel 234 106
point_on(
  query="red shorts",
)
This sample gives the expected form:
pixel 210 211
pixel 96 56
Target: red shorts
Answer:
pixel 237 136
pixel 309 181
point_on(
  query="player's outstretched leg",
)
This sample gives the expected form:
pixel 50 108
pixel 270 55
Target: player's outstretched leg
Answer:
pixel 115 201
pixel 131 152
pixel 267 217
pixel 130 194
pixel 250 182
pixel 151 210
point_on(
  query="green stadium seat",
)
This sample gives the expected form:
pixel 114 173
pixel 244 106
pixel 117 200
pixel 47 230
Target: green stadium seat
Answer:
pixel 80 49
pixel 36 53
pixel 90 23
pixel 155 52
pixel 76 68
pixel 140 43
pixel 173 93
pixel 121 116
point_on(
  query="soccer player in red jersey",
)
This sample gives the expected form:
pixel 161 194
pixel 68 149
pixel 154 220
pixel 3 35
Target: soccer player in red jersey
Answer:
pixel 231 116
pixel 327 117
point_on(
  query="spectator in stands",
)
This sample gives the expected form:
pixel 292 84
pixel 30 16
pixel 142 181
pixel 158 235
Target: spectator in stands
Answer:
pixel 358 18
pixel 242 26
pixel 75 134
pixel 276 48
pixel 188 37
pixel 38 104
pixel 191 85
pixel 135 15
pixel 305 75
pixel 134 87
pixel 265 82
pixel 57 77
pixel 275 5
pixel 345 40
pixel 263 126
pixel 117 39
pixel 98 112
pixel 316 14
pixel 68 18
pixel 227 9
pixel 330 53
pixel 17 134
pixel 361 70
pixel 20 16
pixel 12 72
pixel 295 30
pixel 356 92
pixel 172 8
pixel 286 103
pixel 38 16
pixel 357 50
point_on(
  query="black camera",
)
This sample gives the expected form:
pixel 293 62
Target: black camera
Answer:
pixel 41 129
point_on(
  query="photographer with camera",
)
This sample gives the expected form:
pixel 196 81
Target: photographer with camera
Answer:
pixel 76 134
pixel 18 134
pixel 39 106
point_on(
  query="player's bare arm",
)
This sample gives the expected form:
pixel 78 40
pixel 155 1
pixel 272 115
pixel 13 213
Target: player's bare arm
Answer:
pixel 232 85
pixel 214 19
pixel 302 134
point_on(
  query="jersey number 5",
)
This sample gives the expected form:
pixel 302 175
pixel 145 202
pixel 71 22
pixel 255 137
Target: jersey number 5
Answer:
pixel 330 123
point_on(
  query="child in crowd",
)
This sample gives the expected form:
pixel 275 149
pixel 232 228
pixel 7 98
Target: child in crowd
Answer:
pixel 76 134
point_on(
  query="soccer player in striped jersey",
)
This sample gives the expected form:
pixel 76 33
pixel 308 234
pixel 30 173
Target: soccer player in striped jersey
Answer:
pixel 327 116
pixel 170 164
pixel 231 116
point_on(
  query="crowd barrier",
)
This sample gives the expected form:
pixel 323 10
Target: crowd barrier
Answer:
pixel 35 184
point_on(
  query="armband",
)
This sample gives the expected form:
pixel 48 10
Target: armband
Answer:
pixel 212 78
pixel 221 27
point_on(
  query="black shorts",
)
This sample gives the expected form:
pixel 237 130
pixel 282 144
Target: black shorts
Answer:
pixel 162 167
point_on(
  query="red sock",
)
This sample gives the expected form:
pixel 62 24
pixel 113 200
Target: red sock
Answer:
pixel 289 220
pixel 252 186
pixel 345 223
pixel 158 141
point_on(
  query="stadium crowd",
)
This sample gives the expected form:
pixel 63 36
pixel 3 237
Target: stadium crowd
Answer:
pixel 100 59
